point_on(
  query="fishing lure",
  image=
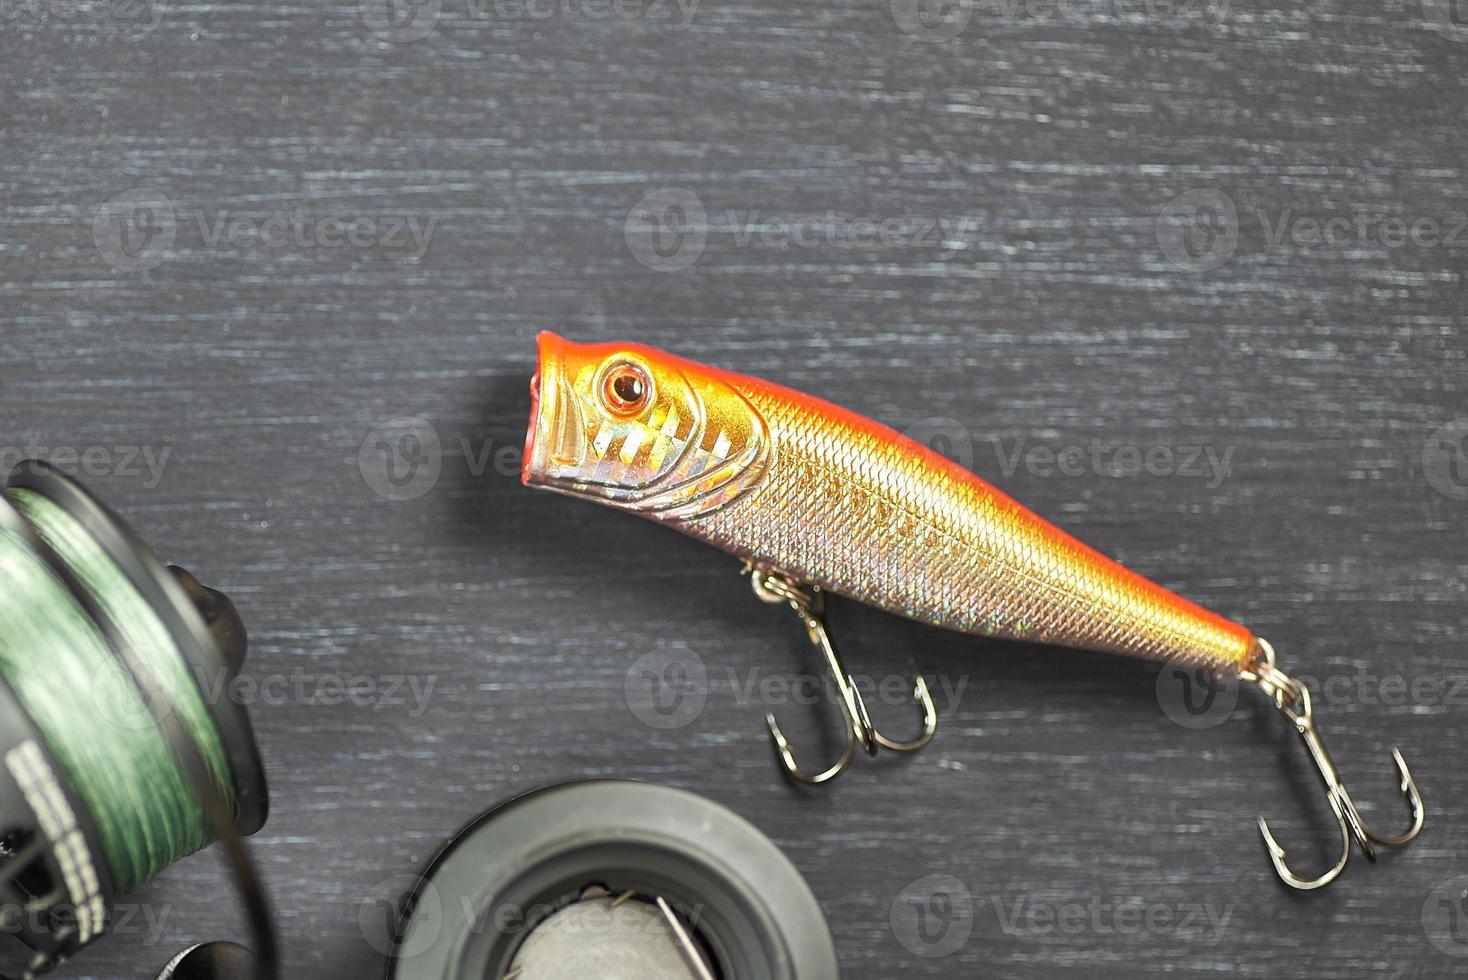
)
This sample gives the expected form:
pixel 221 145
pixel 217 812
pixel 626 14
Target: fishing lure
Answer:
pixel 814 499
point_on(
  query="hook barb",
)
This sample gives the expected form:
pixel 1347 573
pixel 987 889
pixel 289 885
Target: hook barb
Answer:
pixel 1292 699
pixel 809 605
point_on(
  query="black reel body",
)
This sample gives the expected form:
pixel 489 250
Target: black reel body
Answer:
pixel 56 889
pixel 715 891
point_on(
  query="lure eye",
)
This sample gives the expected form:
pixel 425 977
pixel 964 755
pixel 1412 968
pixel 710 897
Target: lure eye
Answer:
pixel 626 388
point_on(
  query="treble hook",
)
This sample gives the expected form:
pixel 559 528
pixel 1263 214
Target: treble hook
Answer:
pixel 810 607
pixel 1292 699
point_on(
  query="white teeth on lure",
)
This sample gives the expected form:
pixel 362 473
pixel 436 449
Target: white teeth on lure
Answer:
pixel 632 444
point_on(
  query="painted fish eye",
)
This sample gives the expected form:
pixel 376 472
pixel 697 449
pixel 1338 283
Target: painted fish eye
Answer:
pixel 626 388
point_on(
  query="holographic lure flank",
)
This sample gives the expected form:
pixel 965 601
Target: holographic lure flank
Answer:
pixel 814 499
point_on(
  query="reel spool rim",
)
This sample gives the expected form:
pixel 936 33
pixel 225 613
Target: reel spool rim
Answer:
pixel 617 815
pixel 179 616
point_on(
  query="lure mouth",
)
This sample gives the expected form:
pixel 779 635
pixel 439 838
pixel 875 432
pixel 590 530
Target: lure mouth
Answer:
pixel 554 440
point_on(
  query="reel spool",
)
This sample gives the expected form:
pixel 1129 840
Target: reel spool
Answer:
pixel 618 880
pixel 114 760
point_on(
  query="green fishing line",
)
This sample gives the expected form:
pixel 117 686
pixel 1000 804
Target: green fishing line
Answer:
pixel 83 699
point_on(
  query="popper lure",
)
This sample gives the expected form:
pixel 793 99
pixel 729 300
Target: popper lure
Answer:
pixel 814 498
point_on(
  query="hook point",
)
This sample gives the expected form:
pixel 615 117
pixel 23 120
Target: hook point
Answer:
pixel 1292 700
pixel 808 606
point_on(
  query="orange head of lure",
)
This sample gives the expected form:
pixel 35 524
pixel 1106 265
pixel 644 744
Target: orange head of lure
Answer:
pixel 630 426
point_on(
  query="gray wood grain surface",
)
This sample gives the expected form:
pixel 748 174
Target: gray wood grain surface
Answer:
pixel 1216 247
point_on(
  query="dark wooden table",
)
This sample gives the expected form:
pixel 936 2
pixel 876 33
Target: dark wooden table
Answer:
pixel 1219 249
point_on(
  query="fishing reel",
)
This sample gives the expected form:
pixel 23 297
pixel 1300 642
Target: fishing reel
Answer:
pixel 115 761
pixel 613 879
